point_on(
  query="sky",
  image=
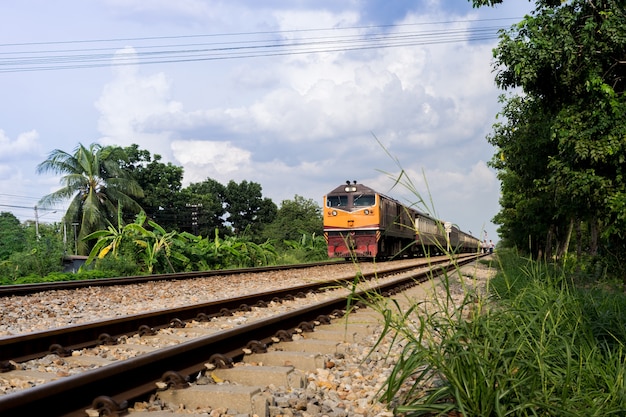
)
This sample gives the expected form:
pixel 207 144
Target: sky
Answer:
pixel 295 95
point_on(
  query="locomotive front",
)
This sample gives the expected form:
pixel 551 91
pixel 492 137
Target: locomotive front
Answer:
pixel 352 221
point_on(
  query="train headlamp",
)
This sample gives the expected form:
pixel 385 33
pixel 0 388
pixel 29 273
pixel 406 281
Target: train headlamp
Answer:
pixel 334 212
pixel 350 188
pixel 366 211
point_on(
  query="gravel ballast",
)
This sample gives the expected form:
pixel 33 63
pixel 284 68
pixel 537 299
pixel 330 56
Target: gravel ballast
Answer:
pixel 349 387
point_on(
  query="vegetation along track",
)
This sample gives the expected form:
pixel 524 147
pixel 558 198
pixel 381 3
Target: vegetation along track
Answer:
pixel 132 378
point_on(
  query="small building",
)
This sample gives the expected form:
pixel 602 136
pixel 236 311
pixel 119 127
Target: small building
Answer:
pixel 71 263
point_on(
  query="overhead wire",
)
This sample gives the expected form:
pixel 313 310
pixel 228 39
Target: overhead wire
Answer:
pixel 229 46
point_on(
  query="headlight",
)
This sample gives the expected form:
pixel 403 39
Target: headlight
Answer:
pixel 334 212
pixel 366 211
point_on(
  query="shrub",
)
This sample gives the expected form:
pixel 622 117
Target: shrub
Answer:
pixel 538 347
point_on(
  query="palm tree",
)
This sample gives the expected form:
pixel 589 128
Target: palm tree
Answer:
pixel 96 183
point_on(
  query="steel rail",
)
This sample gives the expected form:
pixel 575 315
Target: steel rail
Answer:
pixel 136 378
pixel 38 344
pixel 25 289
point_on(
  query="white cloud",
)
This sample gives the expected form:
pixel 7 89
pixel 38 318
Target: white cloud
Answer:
pixel 131 102
pixel 208 159
pixel 26 144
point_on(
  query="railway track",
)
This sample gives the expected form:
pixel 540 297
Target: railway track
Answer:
pixel 111 385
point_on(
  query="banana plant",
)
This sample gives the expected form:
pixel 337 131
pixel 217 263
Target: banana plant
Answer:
pixel 152 243
pixel 156 242
pixel 110 239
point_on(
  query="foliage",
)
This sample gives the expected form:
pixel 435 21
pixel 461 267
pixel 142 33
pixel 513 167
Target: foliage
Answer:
pixel 310 247
pixel 60 276
pixel 200 207
pixel 154 244
pixel 207 200
pixel 157 250
pixel 109 185
pixel 38 258
pixel 545 349
pixel 123 265
pixel 527 210
pixel 161 184
pixel 295 220
pixel 95 183
pixel 197 208
pixel 12 235
pixel 247 210
pixel 562 147
pixel 229 252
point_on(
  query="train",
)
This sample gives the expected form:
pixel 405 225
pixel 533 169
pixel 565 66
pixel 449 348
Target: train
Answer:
pixel 361 223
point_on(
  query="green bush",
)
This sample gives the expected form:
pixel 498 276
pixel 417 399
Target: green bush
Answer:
pixel 538 347
pixel 39 259
pixel 120 266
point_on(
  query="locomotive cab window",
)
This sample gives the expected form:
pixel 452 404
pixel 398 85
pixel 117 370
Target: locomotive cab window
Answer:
pixel 364 200
pixel 337 201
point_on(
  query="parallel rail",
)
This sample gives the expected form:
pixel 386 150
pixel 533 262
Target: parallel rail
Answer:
pixel 25 289
pixel 136 378
pixel 38 344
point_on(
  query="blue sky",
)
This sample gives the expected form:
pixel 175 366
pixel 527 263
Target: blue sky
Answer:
pixel 298 119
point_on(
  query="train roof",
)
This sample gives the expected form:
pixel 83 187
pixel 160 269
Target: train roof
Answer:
pixel 360 188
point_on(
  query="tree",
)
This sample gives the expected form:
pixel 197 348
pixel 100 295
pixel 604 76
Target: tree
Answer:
pixel 529 212
pixel 25 252
pixel 294 219
pixel 205 206
pixel 248 211
pixel 12 235
pixel 569 59
pixel 161 184
pixel 95 182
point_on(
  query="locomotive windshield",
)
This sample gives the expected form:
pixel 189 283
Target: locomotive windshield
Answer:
pixel 364 200
pixel 337 201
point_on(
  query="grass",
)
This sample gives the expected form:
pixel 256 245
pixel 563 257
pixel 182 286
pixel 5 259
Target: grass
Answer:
pixel 531 344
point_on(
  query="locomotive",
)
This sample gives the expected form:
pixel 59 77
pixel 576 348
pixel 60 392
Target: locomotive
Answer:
pixel 360 222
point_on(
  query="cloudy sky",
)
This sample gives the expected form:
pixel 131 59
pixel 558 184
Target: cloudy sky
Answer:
pixel 296 95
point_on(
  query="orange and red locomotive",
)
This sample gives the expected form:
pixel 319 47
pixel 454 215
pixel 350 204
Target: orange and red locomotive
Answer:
pixel 360 222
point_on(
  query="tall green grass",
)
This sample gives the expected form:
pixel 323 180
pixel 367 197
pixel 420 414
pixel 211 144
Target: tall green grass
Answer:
pixel 532 344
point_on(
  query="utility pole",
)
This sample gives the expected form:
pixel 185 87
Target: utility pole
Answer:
pixel 75 239
pixel 36 223
pixel 37 216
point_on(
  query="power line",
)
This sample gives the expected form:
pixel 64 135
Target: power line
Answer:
pixel 269 32
pixel 229 46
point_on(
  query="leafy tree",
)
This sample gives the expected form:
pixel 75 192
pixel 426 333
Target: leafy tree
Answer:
pixel 529 214
pixel 248 211
pixel 197 208
pixel 204 204
pixel 294 219
pixel 161 184
pixel 12 235
pixel 36 256
pixel 95 182
pixel 569 59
